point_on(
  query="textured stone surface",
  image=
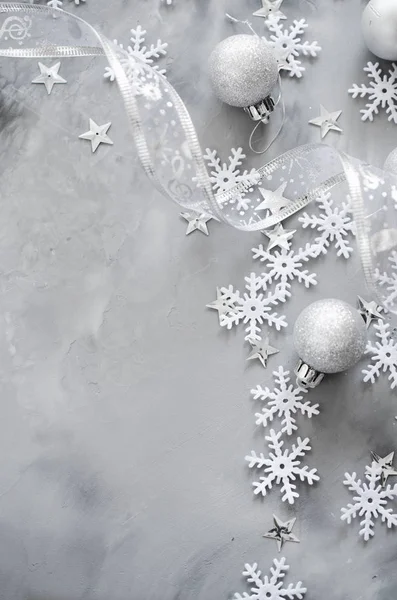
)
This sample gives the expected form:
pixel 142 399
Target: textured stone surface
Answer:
pixel 125 411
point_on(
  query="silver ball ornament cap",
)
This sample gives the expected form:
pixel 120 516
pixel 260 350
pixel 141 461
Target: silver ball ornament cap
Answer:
pixel 243 70
pixel 379 27
pixel 329 336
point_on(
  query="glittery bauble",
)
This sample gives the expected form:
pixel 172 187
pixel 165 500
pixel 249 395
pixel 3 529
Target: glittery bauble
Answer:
pixel 379 25
pixel 391 162
pixel 243 70
pixel 330 335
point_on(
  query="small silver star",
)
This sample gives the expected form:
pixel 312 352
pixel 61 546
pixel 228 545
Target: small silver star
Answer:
pixel 270 7
pixel 279 237
pixel 369 310
pixel 261 349
pixel 49 76
pixel 223 304
pixel 97 135
pixel 327 121
pixel 281 532
pixel 196 221
pixel 273 201
pixel 386 466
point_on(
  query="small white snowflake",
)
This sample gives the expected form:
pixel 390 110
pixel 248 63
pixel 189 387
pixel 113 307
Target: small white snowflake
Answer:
pixel 334 225
pixel 381 92
pixel 369 502
pixel 288 45
pixel 54 3
pixel 270 588
pixel 253 307
pixel 284 401
pixel 138 50
pixel 389 280
pixel 384 355
pixel 282 467
pixel 225 176
pixel 285 266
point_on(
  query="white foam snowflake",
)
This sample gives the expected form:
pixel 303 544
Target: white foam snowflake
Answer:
pixel 389 280
pixel 285 266
pixel 334 225
pixel 253 307
pixel 282 467
pixel 369 502
pixel 270 588
pixel 284 401
pixel 288 45
pixel 138 50
pixel 381 92
pixel 225 176
pixel 384 355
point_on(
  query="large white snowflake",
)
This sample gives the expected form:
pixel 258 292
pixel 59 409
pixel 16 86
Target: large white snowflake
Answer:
pixel 389 280
pixel 381 92
pixel 285 266
pixel 138 50
pixel 288 45
pixel 270 588
pixel 253 307
pixel 369 502
pixel 334 225
pixel 284 401
pixel 225 176
pixel 282 467
pixel 384 355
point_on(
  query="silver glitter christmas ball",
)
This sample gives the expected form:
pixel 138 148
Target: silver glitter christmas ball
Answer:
pixel 391 162
pixel 330 335
pixel 243 70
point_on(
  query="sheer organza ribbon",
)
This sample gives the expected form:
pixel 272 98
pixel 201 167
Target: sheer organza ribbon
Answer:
pixel 169 151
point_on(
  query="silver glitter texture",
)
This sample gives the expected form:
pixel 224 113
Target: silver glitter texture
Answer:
pixel 391 162
pixel 330 335
pixel 243 70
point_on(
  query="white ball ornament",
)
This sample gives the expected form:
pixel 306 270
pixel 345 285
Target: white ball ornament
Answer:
pixel 329 336
pixel 379 26
pixel 243 70
pixel 391 162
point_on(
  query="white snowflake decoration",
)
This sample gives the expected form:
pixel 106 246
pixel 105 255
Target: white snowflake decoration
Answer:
pixel 282 467
pixel 381 92
pixel 369 502
pixel 384 355
pixel 225 176
pixel 284 401
pixel 270 588
pixel 54 3
pixel 288 45
pixel 285 266
pixel 389 280
pixel 334 225
pixel 138 50
pixel 253 307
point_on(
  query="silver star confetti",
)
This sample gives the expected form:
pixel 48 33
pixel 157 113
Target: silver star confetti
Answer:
pixel 270 7
pixel 273 201
pixel 369 310
pixel 282 532
pixel 261 349
pixel 279 237
pixel 97 135
pixel 327 121
pixel 223 304
pixel 196 222
pixel 49 76
pixel 385 466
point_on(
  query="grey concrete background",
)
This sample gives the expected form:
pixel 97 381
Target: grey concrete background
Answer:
pixel 126 413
